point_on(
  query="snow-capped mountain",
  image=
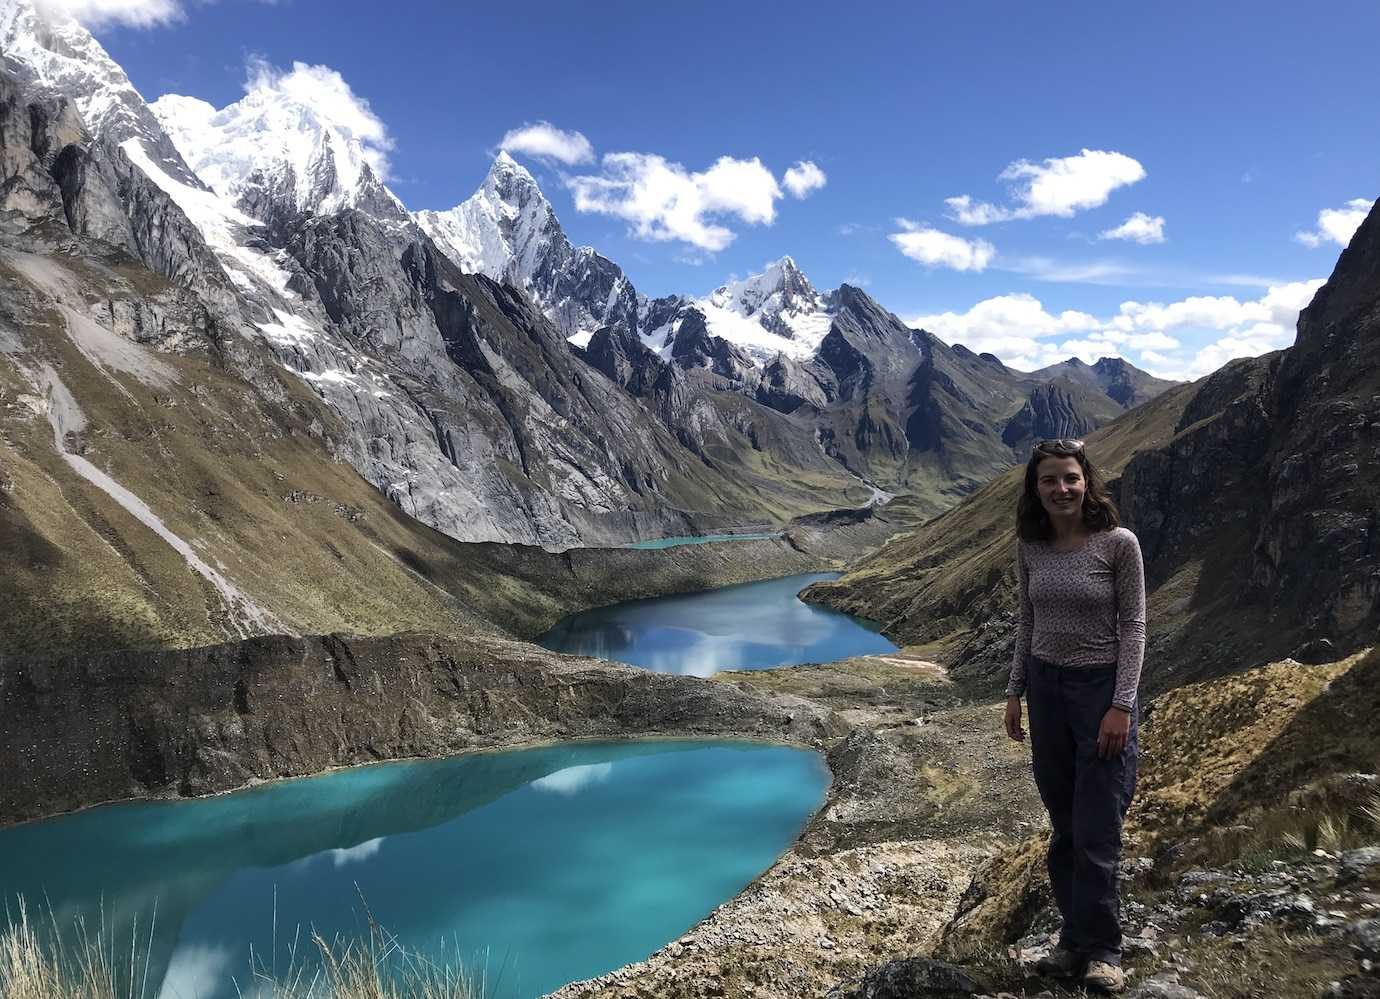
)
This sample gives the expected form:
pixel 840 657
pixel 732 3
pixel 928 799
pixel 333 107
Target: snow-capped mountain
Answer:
pixel 55 52
pixel 508 231
pixel 776 311
pixel 273 154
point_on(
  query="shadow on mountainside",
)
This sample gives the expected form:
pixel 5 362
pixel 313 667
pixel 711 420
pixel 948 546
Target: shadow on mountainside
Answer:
pixel 1337 732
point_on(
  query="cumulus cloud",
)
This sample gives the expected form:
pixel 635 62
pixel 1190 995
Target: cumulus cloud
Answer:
pixel 1060 186
pixel 1336 225
pixel 666 202
pixel 325 91
pixel 102 13
pixel 803 178
pixel 1019 330
pixel 1139 228
pixel 545 141
pixel 941 249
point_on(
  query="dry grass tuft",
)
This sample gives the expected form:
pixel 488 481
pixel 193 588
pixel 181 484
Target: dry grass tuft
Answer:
pixel 89 965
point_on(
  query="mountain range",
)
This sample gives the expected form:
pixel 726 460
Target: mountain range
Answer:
pixel 493 380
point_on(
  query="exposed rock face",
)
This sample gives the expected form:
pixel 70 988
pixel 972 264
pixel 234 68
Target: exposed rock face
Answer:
pixel 913 978
pixel 124 725
pixel 47 50
pixel 626 360
pixel 694 347
pixel 1050 411
pixel 53 171
pixel 1275 496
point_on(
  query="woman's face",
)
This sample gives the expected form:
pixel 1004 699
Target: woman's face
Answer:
pixel 1061 485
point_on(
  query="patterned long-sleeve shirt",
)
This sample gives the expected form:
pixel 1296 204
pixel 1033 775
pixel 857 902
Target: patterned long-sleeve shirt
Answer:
pixel 1084 607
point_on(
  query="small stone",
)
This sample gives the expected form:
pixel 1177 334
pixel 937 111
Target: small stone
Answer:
pixel 1164 985
pixel 1364 937
pixel 1358 865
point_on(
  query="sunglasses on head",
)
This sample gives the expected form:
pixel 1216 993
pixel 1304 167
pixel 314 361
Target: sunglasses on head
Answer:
pixel 1060 445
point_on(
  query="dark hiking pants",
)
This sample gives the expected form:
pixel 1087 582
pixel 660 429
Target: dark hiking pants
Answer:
pixel 1086 797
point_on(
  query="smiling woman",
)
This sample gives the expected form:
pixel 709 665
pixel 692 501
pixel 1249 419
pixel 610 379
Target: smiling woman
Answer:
pixel 1077 659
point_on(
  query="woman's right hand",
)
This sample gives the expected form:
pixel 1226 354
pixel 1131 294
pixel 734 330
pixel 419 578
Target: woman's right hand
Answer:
pixel 1013 720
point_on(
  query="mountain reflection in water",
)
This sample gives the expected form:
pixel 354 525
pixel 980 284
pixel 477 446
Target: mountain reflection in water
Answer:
pixel 750 626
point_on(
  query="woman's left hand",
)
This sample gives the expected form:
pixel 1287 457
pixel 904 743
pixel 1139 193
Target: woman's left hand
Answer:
pixel 1112 736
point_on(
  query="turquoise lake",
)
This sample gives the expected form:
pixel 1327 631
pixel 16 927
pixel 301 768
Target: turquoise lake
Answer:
pixel 538 867
pixel 701 539
pixel 751 626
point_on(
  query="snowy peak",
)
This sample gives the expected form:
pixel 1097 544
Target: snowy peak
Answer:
pixel 509 232
pixel 272 153
pixel 503 230
pixel 780 288
pixel 508 184
pixel 54 51
pixel 775 312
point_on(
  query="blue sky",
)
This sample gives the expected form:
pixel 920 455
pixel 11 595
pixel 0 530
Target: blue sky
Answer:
pixel 1245 120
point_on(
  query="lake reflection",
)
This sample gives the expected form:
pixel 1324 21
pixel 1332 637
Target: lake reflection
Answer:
pixel 542 866
pixel 752 626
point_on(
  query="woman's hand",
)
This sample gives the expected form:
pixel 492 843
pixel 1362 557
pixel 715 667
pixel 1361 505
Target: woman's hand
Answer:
pixel 1013 720
pixel 1112 736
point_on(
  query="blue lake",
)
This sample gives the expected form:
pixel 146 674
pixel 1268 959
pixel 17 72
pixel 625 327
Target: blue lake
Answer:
pixel 752 626
pixel 535 867
pixel 701 539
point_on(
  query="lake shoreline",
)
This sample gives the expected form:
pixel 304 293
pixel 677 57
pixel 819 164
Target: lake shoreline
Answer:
pixel 908 815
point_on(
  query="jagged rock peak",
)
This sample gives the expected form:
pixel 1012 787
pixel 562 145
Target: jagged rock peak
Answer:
pixel 775 311
pixel 503 229
pixel 276 153
pixel 508 231
pixel 509 182
pixel 50 50
pixel 780 288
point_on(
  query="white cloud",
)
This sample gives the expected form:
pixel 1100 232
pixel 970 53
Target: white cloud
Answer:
pixel 803 178
pixel 101 13
pixel 1336 224
pixel 547 142
pixel 665 202
pixel 1019 330
pixel 941 249
pixel 1087 272
pixel 1060 186
pixel 1139 228
pixel 329 96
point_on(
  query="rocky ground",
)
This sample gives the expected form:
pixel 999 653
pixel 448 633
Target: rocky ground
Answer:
pixel 922 875
pixel 925 790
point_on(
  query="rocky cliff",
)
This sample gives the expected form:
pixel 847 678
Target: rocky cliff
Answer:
pixel 138 725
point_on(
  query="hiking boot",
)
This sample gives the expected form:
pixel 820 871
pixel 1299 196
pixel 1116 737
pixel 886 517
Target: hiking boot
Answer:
pixel 1104 977
pixel 1060 963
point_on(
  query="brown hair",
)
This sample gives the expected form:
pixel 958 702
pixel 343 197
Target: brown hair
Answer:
pixel 1099 511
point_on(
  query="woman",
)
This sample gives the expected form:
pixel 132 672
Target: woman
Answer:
pixel 1077 660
